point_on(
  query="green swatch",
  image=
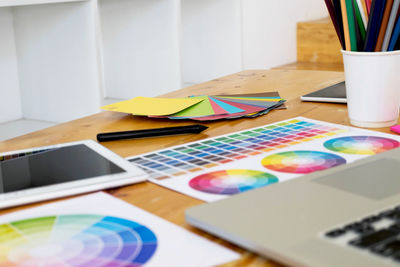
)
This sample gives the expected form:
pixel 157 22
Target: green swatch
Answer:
pixel 203 108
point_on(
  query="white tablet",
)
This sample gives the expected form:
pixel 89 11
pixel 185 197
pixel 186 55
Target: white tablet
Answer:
pixel 334 94
pixel 42 173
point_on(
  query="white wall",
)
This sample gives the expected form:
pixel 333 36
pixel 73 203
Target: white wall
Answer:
pixel 269 29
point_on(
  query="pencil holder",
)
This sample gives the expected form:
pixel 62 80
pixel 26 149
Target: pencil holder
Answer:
pixel 372 87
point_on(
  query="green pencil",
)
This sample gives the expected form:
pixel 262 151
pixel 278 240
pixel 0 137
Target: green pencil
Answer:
pixel 360 21
pixel 352 26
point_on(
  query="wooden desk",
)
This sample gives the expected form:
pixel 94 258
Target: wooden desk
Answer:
pixel 169 204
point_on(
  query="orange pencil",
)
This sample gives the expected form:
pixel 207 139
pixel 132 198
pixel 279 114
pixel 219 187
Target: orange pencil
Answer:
pixel 382 30
pixel 345 25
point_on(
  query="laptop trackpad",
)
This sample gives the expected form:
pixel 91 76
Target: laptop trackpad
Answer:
pixel 376 179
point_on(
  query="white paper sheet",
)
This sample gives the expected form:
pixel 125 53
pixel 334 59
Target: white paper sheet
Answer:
pixel 175 246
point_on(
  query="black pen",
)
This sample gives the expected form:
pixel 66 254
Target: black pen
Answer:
pixel 196 128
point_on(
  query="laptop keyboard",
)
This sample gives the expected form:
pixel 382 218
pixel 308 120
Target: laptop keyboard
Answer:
pixel 378 234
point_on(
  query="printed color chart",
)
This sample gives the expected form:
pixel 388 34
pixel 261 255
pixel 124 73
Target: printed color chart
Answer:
pixel 76 240
pixel 215 168
pixel 198 156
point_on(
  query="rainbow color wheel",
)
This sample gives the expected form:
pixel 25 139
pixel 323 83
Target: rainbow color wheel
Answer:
pixel 301 161
pixel 361 145
pixel 229 182
pixel 76 240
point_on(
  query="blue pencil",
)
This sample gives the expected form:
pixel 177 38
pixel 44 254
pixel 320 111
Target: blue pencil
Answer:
pixel 395 36
pixel 374 24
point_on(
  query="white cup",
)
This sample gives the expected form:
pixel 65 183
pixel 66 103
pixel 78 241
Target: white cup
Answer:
pixel 372 87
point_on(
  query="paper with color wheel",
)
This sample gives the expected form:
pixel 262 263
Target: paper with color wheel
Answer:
pixel 100 230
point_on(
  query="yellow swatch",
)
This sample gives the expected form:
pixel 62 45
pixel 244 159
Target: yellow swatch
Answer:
pixel 152 106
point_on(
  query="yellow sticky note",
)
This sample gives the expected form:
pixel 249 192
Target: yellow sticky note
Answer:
pixel 152 106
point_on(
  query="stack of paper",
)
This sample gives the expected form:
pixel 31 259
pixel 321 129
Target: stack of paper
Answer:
pixel 201 108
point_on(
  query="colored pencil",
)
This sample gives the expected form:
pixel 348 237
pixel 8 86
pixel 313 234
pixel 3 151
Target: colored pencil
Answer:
pixel 339 20
pixel 352 25
pixel 390 26
pixel 364 8
pixel 368 3
pixel 363 12
pixel 331 11
pixel 398 13
pixel 382 30
pixel 397 45
pixel 359 27
pixel 395 35
pixel 376 13
pixel 345 25
pixel 366 25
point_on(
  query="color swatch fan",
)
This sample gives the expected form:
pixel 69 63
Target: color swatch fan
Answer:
pixel 201 108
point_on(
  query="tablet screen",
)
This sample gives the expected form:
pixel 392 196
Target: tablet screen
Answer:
pixel 52 166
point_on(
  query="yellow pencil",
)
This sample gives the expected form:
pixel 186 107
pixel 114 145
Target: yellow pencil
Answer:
pixel 364 8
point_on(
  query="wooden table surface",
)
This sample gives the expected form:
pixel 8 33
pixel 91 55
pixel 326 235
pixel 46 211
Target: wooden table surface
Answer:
pixel 165 203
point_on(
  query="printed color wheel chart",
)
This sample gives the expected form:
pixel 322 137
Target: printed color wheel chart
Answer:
pixel 301 161
pixel 362 145
pixel 229 182
pixel 76 240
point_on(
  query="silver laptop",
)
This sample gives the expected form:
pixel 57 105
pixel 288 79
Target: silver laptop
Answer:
pixel 345 216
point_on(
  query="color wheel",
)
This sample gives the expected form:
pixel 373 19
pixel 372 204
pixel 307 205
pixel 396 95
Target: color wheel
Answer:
pixel 301 161
pixel 229 182
pixel 76 240
pixel 362 145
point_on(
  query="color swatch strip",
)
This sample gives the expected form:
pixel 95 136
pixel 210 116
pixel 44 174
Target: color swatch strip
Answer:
pixel 198 156
pixel 76 240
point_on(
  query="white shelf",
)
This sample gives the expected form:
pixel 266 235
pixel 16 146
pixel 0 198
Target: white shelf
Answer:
pixel 140 42
pixel 211 39
pixel 10 97
pixel 6 3
pixel 57 60
pixel 60 58
pixel 51 52
pixel 20 127
pixel 109 101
